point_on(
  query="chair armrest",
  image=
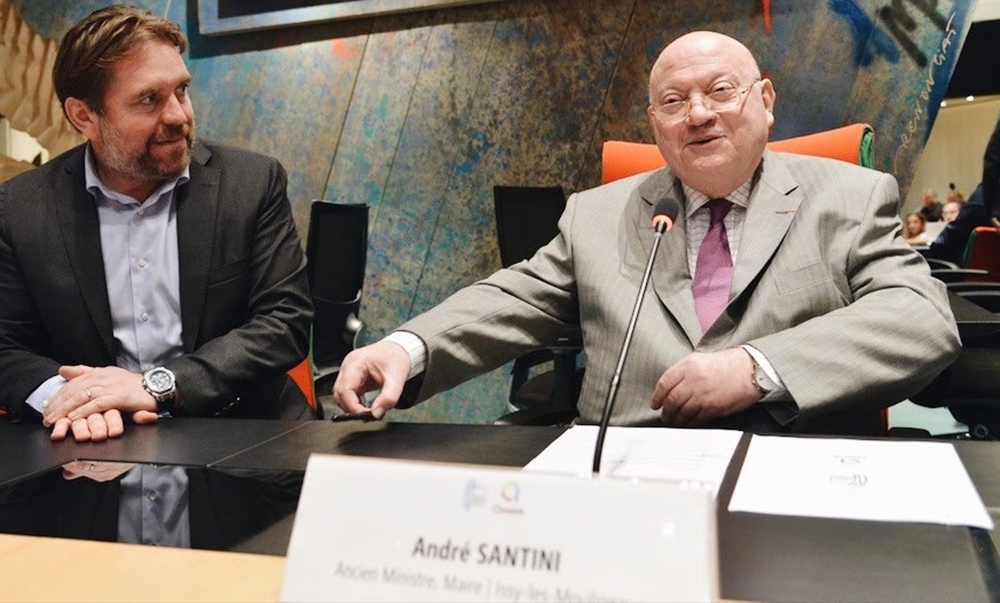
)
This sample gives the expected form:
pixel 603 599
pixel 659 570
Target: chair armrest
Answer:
pixel 937 264
pixel 959 275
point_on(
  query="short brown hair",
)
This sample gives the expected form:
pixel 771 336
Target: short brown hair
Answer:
pixel 92 47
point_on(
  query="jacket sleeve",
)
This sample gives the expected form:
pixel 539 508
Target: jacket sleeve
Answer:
pixel 23 338
pixel 233 364
pixel 893 337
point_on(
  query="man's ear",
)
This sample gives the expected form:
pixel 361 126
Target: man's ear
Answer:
pixel 82 117
pixel 767 90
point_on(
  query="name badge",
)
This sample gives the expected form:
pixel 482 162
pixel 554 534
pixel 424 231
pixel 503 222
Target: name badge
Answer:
pixel 381 530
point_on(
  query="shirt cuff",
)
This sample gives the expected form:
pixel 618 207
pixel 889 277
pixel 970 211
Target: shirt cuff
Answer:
pixel 43 392
pixel 414 346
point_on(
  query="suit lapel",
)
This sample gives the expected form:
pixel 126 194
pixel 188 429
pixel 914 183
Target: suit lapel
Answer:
pixel 771 209
pixel 197 207
pixel 671 278
pixel 81 234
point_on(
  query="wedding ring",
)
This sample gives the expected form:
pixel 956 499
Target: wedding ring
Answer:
pixel 87 392
pixel 45 404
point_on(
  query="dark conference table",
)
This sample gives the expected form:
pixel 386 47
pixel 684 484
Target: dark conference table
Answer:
pixel 762 557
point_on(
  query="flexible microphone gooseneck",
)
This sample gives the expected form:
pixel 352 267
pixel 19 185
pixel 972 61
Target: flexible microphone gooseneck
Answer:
pixel 664 214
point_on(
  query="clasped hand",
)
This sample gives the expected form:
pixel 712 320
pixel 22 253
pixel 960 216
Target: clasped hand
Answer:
pixel 705 386
pixel 92 401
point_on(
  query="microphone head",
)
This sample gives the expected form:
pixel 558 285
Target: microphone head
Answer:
pixel 665 212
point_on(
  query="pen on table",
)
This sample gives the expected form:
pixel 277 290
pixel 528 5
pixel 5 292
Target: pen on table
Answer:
pixel 365 415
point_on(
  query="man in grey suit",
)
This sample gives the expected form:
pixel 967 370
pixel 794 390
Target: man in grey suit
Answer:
pixel 142 272
pixel 784 299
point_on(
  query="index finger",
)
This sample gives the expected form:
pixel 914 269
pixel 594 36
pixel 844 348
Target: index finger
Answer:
pixel 392 389
pixel 349 386
pixel 664 385
pixel 69 397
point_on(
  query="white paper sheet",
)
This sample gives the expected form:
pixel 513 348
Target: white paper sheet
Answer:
pixel 694 457
pixel 922 482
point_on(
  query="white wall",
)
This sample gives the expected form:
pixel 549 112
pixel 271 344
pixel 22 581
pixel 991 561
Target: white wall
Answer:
pixel 18 145
pixel 954 151
pixel 986 10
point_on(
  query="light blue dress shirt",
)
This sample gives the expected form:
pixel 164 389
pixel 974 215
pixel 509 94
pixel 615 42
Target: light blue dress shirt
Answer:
pixel 142 270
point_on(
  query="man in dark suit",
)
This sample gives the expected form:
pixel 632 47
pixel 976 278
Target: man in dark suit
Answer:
pixel 144 272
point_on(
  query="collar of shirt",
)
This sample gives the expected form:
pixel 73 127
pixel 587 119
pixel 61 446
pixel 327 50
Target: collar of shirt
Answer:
pixel 695 200
pixel 95 186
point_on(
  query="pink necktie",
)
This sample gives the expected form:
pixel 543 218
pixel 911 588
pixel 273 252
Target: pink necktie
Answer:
pixel 713 272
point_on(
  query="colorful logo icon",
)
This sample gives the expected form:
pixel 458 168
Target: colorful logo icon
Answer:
pixel 510 492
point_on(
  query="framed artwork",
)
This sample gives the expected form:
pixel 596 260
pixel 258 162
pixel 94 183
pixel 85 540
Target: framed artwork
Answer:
pixel 220 17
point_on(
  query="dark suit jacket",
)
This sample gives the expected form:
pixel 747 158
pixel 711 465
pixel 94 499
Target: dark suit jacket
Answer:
pixel 950 244
pixel 245 303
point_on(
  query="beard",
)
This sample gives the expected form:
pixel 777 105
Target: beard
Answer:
pixel 141 163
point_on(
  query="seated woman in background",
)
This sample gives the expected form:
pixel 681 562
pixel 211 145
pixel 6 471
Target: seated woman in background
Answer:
pixel 914 231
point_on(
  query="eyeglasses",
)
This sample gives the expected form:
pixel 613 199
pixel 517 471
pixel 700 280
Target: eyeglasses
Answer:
pixel 722 99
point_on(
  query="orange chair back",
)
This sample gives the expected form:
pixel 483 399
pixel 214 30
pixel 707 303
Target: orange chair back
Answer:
pixel 301 374
pixel 852 144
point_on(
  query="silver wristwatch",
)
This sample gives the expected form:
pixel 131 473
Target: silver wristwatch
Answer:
pixel 162 385
pixel 760 379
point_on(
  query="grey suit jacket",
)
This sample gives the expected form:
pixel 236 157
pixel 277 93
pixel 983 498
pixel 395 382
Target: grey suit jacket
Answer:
pixel 245 303
pixel 824 286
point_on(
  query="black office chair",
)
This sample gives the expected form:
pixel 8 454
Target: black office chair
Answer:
pixel 970 387
pixel 527 219
pixel 337 250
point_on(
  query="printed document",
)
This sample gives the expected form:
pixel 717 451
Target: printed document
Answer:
pixel 691 457
pixel 922 482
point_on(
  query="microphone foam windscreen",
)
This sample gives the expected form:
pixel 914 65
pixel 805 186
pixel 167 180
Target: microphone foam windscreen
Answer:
pixel 668 206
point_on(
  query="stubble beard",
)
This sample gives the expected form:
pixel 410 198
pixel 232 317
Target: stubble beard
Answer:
pixel 144 165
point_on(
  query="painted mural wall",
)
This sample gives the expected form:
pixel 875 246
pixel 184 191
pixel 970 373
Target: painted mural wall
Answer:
pixel 420 114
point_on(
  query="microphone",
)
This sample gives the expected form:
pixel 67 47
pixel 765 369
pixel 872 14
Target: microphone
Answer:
pixel 664 214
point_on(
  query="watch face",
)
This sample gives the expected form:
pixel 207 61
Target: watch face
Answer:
pixel 159 380
pixel 763 380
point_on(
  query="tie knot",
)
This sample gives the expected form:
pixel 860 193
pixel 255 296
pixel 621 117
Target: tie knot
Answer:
pixel 719 208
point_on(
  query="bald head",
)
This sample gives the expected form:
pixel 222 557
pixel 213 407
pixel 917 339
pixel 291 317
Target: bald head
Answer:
pixel 696 46
pixel 710 111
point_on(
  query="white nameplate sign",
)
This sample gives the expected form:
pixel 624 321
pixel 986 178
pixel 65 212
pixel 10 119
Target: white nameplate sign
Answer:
pixel 380 530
